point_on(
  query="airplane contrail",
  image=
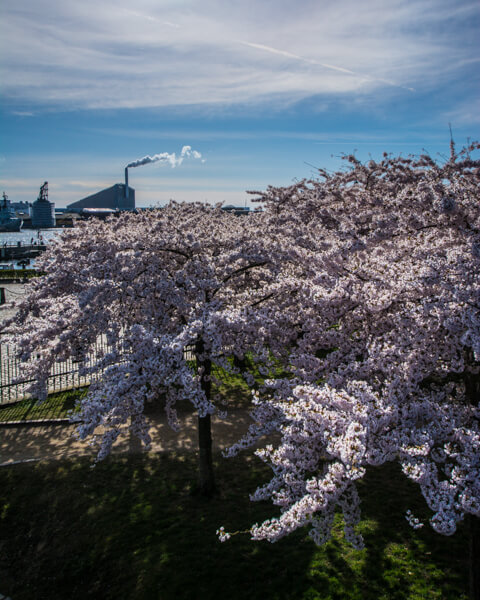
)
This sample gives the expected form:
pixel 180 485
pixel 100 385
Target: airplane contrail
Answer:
pixel 312 61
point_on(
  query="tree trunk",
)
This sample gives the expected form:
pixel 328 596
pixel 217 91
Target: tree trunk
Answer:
pixel 472 392
pixel 474 548
pixel 206 478
pixel 206 481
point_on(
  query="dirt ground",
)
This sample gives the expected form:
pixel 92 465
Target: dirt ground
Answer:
pixel 24 443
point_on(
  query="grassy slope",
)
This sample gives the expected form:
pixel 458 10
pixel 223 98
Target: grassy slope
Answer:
pixel 131 528
pixel 232 389
pixel 56 406
pixel 18 273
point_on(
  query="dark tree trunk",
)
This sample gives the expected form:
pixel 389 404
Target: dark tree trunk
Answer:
pixel 206 478
pixel 472 392
pixel 240 363
pixel 206 481
pixel 474 548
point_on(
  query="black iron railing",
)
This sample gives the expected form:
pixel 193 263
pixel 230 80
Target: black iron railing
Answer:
pixel 63 375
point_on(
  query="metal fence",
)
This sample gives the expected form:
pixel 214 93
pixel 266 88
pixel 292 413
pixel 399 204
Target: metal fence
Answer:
pixel 63 375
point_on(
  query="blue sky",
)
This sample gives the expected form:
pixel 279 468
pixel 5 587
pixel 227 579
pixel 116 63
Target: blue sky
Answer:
pixel 262 89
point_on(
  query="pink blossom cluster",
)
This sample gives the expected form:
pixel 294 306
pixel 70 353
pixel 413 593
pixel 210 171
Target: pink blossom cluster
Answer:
pixel 386 360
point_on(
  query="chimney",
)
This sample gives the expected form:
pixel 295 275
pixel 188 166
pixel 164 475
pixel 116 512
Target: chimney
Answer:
pixel 126 183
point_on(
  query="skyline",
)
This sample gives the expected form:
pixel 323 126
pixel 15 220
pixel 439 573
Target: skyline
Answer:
pixel 264 91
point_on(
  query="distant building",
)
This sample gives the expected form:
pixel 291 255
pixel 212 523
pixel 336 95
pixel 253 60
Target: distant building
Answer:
pixel 236 210
pixel 22 209
pixel 43 211
pixel 64 218
pixel 118 197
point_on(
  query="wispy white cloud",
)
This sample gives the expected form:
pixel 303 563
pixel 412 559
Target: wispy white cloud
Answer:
pixel 22 113
pixel 466 113
pixel 139 15
pixel 89 54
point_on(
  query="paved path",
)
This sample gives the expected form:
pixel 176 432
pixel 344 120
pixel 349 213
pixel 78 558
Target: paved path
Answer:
pixel 23 443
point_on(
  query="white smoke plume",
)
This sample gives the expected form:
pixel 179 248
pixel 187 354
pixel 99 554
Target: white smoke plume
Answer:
pixel 165 157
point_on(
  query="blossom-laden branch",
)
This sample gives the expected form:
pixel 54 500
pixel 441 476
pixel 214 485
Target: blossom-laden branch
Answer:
pixel 385 365
pixel 149 284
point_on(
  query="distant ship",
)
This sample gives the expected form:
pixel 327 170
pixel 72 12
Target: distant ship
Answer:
pixel 8 220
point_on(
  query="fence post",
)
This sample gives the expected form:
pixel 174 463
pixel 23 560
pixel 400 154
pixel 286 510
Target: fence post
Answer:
pixel 2 296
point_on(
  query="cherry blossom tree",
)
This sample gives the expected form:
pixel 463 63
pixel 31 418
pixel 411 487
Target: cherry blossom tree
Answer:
pixel 152 284
pixel 363 285
pixel 385 365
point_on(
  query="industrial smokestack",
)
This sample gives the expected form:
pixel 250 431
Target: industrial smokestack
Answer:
pixel 164 157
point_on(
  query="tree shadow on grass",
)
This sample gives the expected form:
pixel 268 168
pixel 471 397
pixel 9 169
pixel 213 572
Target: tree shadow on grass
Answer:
pixel 402 561
pixel 131 528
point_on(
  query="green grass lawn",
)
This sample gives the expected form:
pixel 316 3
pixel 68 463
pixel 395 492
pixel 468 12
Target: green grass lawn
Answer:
pixel 232 389
pixel 19 273
pixel 56 406
pixel 131 528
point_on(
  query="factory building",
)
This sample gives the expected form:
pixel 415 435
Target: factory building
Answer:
pixel 43 211
pixel 118 197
